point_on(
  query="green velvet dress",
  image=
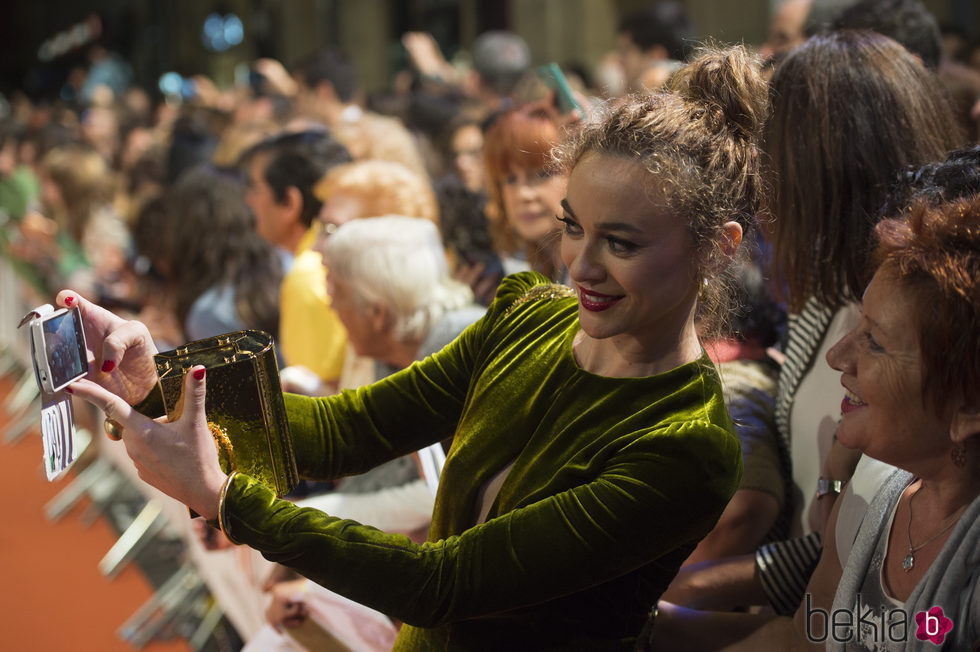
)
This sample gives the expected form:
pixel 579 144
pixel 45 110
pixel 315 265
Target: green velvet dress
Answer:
pixel 614 481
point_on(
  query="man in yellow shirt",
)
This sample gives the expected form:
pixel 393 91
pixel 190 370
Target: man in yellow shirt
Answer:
pixel 281 173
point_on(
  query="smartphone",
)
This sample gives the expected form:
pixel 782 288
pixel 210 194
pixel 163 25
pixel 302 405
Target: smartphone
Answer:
pixel 555 79
pixel 59 349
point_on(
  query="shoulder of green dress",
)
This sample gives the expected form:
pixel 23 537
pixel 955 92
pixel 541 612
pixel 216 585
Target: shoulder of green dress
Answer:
pixel 542 290
pixel 515 285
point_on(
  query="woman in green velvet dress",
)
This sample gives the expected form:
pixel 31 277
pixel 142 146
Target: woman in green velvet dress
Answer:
pixel 591 445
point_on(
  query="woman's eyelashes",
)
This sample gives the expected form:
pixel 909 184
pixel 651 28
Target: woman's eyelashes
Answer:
pixel 616 245
pixel 571 226
pixel 872 343
pixel 620 246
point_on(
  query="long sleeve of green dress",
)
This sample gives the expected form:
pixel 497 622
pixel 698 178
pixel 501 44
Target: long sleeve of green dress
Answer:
pixel 611 483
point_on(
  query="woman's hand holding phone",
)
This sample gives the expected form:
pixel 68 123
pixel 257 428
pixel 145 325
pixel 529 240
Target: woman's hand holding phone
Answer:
pixel 120 351
pixel 178 458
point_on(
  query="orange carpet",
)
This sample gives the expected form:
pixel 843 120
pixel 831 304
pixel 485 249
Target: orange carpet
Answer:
pixel 53 597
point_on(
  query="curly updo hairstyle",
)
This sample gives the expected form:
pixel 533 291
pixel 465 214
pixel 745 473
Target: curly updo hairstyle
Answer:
pixel 700 141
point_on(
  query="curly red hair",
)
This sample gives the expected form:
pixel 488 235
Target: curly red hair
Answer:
pixel 520 139
pixel 934 253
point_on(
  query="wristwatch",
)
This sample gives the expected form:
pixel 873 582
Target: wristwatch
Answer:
pixel 827 486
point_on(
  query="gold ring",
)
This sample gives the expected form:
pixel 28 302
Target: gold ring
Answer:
pixel 112 429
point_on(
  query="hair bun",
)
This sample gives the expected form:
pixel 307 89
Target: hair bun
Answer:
pixel 728 81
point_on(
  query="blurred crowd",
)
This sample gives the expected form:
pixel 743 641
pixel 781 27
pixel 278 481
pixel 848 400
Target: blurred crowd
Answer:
pixel 366 230
pixel 169 207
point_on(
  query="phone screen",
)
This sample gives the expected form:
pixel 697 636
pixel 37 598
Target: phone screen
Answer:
pixel 65 346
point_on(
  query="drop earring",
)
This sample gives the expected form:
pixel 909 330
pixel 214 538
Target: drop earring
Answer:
pixel 958 455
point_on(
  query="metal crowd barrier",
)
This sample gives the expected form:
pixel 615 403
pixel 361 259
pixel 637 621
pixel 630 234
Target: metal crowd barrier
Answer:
pixel 185 601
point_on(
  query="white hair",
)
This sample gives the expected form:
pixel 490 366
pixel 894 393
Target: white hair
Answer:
pixel 398 262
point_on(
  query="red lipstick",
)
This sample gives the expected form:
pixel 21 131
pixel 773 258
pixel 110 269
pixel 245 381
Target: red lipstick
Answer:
pixel 596 302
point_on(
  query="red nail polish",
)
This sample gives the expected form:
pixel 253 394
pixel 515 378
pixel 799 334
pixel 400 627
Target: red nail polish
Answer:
pixel 69 390
pixel 108 366
pixel 69 301
pixel 199 373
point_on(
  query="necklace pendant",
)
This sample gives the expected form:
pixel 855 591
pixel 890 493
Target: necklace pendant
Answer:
pixel 908 562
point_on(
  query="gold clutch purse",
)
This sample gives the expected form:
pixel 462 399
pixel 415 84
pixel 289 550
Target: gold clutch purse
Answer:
pixel 244 405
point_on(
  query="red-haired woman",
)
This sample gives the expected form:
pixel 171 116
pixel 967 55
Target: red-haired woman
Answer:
pixel 525 191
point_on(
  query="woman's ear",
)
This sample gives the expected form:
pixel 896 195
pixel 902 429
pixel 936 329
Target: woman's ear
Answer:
pixel 380 319
pixel 728 243
pixel 731 238
pixel 966 424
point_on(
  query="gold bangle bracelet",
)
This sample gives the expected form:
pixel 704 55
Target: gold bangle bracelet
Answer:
pixel 222 521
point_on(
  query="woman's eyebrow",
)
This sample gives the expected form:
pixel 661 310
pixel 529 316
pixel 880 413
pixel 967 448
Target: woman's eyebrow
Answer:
pixel 604 226
pixel 568 209
pixel 873 325
pixel 618 226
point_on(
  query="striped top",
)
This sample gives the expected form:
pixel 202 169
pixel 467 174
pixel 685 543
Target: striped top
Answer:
pixel 785 566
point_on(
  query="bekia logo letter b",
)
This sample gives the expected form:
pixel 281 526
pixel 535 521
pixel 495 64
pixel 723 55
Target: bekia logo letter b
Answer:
pixel 933 625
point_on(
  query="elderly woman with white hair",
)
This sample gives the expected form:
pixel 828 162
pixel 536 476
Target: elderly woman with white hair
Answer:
pixel 389 283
